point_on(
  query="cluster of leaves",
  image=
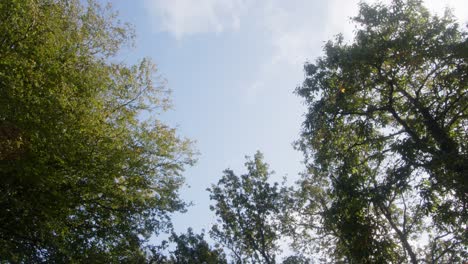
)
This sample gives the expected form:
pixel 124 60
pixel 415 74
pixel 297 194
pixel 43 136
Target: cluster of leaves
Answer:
pixel 385 139
pixel 248 209
pixel 252 214
pixel 189 248
pixel 83 176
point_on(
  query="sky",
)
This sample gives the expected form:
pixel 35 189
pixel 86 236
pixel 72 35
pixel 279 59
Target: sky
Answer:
pixel 233 66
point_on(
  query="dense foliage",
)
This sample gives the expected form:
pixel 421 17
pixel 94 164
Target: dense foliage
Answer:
pixel 186 248
pixel 192 248
pixel 87 172
pixel 385 139
pixel 248 209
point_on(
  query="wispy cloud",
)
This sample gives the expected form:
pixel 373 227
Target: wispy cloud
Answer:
pixel 187 17
pixel 298 30
pixel 295 30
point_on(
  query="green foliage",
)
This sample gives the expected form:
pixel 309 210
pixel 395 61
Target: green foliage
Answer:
pixel 84 176
pixel 248 208
pixel 192 248
pixel 385 139
pixel 296 260
pixel 189 248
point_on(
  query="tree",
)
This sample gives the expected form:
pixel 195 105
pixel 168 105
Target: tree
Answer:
pixel 189 248
pixel 385 139
pixel 296 260
pixel 248 209
pixel 192 248
pixel 87 171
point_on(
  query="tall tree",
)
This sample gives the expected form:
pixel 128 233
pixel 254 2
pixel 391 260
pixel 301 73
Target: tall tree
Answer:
pixel 84 175
pixel 385 139
pixel 248 209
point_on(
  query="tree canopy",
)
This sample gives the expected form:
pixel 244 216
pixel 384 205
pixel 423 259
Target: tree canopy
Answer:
pixel 87 171
pixel 192 248
pixel 385 139
pixel 248 209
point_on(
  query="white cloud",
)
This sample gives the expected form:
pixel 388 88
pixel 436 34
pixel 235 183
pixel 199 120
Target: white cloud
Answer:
pixel 295 30
pixel 188 17
pixel 298 30
pixel 291 19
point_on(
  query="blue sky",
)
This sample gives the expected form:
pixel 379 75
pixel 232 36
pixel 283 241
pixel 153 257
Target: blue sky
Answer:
pixel 233 66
